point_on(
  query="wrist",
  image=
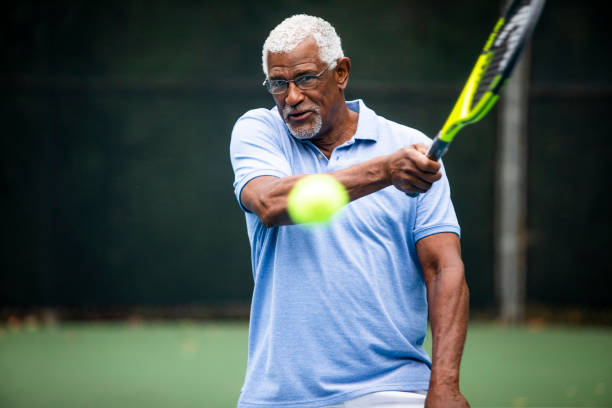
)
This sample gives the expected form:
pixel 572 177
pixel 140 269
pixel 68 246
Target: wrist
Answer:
pixel 444 385
pixel 444 379
pixel 384 170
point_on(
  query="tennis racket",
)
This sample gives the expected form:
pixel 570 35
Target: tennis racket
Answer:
pixel 491 72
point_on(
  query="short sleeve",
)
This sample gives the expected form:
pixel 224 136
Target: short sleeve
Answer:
pixel 256 150
pixel 434 211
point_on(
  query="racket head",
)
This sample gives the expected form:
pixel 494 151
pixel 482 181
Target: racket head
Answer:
pixel 494 65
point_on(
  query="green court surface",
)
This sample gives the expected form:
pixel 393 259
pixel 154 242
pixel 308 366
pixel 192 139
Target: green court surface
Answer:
pixel 201 364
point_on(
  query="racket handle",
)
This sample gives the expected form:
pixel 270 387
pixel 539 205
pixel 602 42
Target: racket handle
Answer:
pixel 437 149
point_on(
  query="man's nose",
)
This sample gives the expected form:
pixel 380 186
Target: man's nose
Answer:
pixel 294 95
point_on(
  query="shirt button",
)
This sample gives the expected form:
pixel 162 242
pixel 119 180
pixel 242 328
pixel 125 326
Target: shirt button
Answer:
pixel 320 156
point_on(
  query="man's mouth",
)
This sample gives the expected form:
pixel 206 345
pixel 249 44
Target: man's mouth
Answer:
pixel 299 115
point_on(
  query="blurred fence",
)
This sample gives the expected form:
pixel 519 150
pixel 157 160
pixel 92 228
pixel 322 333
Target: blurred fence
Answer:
pixel 117 117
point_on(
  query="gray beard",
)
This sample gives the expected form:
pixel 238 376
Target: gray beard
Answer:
pixel 304 133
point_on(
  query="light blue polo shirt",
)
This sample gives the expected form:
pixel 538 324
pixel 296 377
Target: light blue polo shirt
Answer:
pixel 341 311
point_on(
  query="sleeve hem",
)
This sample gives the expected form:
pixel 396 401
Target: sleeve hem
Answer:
pixel 245 181
pixel 436 229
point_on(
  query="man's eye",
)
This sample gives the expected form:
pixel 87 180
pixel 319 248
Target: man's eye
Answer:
pixel 305 79
pixel 278 82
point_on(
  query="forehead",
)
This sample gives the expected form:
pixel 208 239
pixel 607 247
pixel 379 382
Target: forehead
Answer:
pixel 303 57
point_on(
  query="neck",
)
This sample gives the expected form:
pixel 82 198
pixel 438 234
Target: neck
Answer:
pixel 342 128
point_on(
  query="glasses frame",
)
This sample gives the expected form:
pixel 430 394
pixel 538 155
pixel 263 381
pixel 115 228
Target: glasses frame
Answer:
pixel 266 83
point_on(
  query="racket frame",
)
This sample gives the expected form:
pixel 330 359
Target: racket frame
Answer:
pixel 461 114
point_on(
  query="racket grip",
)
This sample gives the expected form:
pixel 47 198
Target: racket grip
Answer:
pixel 437 149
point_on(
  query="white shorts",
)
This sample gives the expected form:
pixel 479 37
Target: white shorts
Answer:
pixel 386 399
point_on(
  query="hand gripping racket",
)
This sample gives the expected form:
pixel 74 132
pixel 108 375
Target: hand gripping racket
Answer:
pixel 491 72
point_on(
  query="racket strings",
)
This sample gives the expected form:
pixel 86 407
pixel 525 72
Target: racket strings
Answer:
pixel 504 49
pixel 493 69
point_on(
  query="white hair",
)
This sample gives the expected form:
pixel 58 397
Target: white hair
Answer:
pixel 295 29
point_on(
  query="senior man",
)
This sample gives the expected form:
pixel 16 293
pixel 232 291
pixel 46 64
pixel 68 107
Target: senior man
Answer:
pixel 339 314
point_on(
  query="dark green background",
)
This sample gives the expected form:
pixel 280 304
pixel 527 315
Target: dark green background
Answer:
pixel 117 185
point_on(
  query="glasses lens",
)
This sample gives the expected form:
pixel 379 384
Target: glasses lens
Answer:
pixel 306 81
pixel 276 86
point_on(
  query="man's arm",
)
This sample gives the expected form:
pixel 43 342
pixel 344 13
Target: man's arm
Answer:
pixel 448 298
pixel 408 169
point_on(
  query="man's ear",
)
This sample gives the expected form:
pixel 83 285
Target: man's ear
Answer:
pixel 342 70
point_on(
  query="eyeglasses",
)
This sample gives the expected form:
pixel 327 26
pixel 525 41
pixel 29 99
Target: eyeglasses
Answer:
pixel 309 81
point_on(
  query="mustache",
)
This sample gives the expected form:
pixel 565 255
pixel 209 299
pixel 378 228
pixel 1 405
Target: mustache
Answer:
pixel 287 110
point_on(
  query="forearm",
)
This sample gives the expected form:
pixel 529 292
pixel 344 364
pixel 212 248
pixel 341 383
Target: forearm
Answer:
pixel 448 298
pixel 269 201
pixel 407 169
pixel 364 178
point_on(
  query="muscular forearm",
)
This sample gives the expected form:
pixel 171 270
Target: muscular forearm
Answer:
pixel 408 169
pixel 271 201
pixel 448 314
pixel 448 299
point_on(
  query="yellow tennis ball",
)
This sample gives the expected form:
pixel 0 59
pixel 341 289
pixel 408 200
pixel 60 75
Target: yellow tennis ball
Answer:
pixel 316 198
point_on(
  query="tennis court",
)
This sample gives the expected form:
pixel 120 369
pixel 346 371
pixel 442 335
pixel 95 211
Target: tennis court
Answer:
pixel 118 193
pixel 201 364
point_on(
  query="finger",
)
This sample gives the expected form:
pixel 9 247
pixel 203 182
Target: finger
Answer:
pixel 431 177
pixel 410 188
pixel 416 180
pixel 415 189
pixel 422 162
pixel 430 166
pixel 421 179
pixel 433 166
pixel 421 148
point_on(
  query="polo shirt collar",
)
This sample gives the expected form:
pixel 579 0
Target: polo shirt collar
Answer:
pixel 366 124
